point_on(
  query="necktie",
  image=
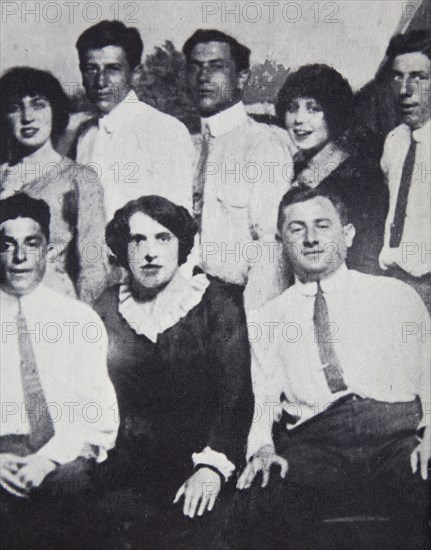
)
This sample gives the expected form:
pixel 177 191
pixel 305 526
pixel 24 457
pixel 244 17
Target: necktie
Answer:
pixel 41 426
pixel 331 365
pixel 397 226
pixel 200 176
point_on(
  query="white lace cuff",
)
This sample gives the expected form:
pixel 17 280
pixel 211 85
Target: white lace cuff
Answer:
pixel 215 459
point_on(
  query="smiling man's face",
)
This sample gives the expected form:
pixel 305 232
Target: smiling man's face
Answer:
pixel 23 248
pixel 314 239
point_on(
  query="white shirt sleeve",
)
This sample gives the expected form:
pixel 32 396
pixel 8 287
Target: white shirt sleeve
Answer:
pixel 267 382
pixel 86 418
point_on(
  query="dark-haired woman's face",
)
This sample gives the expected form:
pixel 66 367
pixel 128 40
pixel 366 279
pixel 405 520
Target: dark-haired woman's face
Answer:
pixel 306 123
pixel 152 252
pixel 30 121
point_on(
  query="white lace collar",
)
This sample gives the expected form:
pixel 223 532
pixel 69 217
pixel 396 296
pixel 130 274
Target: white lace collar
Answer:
pixel 170 305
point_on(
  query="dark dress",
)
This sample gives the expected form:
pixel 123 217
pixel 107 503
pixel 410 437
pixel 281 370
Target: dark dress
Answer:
pixel 189 390
pixel 359 182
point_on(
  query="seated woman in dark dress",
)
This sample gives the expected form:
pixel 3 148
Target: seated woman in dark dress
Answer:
pixel 180 363
pixel 316 106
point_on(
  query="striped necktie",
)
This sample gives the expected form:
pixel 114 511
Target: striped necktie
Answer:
pixel 200 176
pixel 41 426
pixel 330 364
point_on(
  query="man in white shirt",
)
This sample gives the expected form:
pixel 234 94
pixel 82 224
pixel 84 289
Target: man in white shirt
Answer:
pixel 136 149
pixel 340 367
pixel 242 169
pixel 406 162
pixel 58 406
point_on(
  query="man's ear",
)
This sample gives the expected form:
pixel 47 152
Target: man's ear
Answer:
pixel 349 234
pixel 243 77
pixel 81 68
pixel 137 73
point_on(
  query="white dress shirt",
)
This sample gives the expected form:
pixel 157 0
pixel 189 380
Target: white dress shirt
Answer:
pixel 137 151
pixel 378 327
pixel 70 346
pixel 414 252
pixel 249 168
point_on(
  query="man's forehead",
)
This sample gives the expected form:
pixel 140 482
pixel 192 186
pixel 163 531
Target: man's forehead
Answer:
pixel 205 51
pixel 315 208
pixel 414 61
pixel 107 54
pixel 21 228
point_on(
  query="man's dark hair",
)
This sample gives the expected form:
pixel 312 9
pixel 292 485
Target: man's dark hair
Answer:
pixel 24 206
pixel 328 87
pixel 303 194
pixel 19 82
pixel 240 54
pixel 411 42
pixel 112 33
pixel 173 217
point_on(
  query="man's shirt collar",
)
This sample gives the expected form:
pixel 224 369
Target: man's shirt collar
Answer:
pixel 30 301
pixel 423 133
pixel 330 284
pixel 121 112
pixel 226 120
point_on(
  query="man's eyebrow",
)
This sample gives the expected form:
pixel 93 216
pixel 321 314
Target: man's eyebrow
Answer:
pixel 421 72
pixel 299 222
pixel 33 238
pixel 137 236
pixel 214 60
pixel 96 64
pixel 163 234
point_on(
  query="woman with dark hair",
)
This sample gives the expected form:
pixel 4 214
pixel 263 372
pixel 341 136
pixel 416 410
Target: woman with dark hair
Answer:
pixel 180 363
pixel 316 106
pixel 34 111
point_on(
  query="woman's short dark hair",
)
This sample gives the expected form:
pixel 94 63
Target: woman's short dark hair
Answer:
pixel 112 33
pixel 240 53
pixel 173 217
pixel 305 193
pixel 328 87
pixel 19 82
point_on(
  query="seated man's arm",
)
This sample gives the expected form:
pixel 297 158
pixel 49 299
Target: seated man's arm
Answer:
pixel 86 415
pixel 267 387
pixel 420 349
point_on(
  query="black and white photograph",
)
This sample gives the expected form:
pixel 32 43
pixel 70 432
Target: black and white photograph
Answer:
pixel 215 275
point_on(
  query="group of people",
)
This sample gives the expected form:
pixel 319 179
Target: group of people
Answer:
pixel 242 358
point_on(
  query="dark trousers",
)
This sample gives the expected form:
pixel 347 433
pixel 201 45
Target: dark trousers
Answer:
pixel 53 515
pixel 352 459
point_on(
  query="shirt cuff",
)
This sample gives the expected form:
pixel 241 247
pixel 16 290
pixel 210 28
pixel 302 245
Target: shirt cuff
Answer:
pixel 215 459
pixel 63 452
